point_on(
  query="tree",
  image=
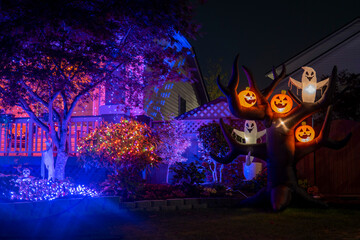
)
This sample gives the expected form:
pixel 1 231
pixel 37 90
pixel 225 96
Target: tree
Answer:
pixel 215 70
pixel 347 91
pixel 55 53
pixel 173 143
pixel 281 151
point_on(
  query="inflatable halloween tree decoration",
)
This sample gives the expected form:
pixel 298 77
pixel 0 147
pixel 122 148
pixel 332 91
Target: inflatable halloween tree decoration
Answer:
pixel 281 151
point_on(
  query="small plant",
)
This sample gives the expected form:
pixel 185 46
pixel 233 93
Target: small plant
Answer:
pixel 189 177
pixel 190 173
pixel 308 187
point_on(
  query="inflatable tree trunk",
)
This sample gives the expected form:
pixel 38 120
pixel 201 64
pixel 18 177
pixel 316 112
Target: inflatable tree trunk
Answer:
pixel 281 151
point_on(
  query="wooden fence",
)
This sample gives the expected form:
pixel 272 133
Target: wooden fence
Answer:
pixel 335 172
pixel 23 137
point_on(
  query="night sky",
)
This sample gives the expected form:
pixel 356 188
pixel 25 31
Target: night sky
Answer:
pixel 265 33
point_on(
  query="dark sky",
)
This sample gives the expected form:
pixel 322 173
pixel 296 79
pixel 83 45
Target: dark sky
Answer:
pixel 265 33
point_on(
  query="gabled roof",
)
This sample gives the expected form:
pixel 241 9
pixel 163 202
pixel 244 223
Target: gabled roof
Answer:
pixel 323 47
pixel 215 109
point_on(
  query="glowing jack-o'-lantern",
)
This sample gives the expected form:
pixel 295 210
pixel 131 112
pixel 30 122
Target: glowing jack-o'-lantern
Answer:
pixel 281 103
pixel 247 98
pixel 304 133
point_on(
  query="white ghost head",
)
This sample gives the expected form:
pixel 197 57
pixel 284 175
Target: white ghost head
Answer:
pixel 250 131
pixel 309 74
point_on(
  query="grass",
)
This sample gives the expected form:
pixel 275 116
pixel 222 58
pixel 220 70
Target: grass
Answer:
pixel 293 223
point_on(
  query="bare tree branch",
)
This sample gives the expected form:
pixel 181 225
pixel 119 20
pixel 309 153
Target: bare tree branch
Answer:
pixel 322 140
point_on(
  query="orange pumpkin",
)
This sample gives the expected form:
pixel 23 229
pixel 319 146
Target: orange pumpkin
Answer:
pixel 304 133
pixel 281 103
pixel 247 98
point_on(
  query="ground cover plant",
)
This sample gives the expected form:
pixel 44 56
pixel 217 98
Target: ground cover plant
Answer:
pixel 15 188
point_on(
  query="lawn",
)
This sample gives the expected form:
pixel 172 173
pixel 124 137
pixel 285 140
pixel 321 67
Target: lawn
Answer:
pixel 220 223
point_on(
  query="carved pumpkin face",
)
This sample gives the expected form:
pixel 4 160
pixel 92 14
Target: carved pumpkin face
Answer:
pixel 247 98
pixel 281 103
pixel 304 133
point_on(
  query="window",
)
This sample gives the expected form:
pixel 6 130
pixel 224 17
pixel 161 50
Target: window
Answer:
pixel 182 105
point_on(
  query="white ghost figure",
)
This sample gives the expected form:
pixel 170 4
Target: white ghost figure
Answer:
pixel 308 84
pixel 250 135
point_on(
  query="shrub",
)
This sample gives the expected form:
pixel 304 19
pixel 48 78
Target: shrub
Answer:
pixel 189 176
pixel 125 149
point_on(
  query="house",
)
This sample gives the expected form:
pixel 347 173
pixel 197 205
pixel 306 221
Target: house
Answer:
pixel 22 141
pixel 335 172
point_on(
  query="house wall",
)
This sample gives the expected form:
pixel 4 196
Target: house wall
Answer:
pixel 165 101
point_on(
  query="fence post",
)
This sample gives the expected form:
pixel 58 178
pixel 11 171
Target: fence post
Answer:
pixel 30 137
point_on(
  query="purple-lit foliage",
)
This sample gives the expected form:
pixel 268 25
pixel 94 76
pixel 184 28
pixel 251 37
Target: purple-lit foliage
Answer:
pixel 173 143
pixel 54 54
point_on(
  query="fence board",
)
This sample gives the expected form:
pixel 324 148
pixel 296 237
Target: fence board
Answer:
pixel 337 172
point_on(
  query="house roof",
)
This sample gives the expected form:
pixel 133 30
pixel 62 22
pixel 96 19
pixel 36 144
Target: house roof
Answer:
pixel 323 47
pixel 215 109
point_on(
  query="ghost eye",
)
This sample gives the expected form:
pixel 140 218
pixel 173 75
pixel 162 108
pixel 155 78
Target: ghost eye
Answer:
pixel 252 124
pixel 312 73
pixel 306 73
pixel 247 125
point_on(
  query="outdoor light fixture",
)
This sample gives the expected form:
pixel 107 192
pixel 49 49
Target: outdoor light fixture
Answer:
pixel 304 133
pixel 281 103
pixel 247 98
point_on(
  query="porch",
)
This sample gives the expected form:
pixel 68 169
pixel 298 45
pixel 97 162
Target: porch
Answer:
pixel 22 137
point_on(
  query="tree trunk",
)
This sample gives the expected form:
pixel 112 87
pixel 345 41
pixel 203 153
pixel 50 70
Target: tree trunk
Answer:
pixel 280 165
pixel 61 159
